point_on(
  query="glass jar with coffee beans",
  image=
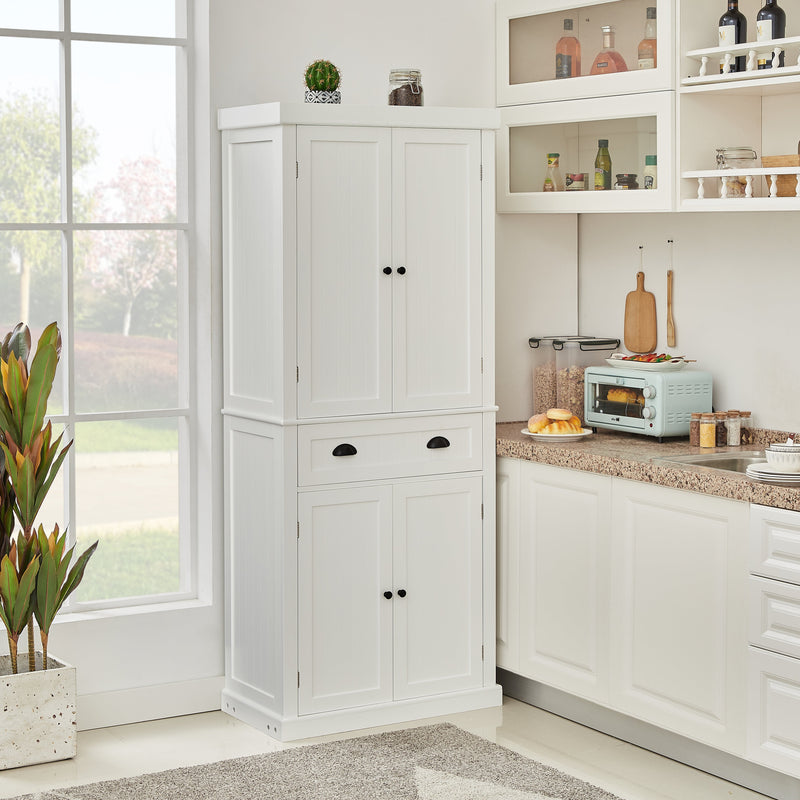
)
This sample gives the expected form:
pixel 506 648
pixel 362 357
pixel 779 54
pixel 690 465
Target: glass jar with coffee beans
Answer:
pixel 405 87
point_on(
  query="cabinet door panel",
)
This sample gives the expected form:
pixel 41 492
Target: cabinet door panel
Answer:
pixel 507 626
pixel 438 562
pixel 344 567
pixel 343 245
pixel 678 601
pixel 436 217
pixel 563 564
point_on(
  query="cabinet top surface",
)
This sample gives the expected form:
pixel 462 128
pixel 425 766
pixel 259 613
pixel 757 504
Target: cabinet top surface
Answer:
pixel 264 114
pixel 630 456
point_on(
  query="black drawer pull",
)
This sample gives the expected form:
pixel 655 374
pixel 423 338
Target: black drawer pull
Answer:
pixel 438 442
pixel 387 595
pixel 344 449
pixel 387 270
pixel 401 270
pixel 401 592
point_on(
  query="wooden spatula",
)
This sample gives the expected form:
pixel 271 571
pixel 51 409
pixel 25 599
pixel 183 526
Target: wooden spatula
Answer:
pixel 670 321
pixel 640 319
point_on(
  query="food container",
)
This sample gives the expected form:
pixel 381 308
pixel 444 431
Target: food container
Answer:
pixel 573 355
pixel 543 372
pixel 736 158
pixel 576 181
pixel 405 87
pixel 626 180
pixel 787 184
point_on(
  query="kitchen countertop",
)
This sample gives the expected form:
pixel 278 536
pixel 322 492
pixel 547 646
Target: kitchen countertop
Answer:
pixel 628 455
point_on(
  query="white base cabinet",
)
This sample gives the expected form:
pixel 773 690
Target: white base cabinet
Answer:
pixel 359 415
pixel 629 595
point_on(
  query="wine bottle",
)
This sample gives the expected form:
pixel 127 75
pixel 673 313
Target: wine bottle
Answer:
pixel 608 59
pixel 602 166
pixel 648 45
pixel 568 54
pixel 733 30
pixel 770 24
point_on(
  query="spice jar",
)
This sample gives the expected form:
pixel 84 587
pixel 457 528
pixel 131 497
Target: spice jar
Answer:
pixel 405 87
pixel 746 434
pixel 731 158
pixel 733 424
pixel 694 429
pixel 721 438
pixel 626 180
pixel 708 430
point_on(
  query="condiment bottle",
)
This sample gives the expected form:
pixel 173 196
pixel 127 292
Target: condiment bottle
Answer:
pixel 602 166
pixel 733 424
pixel 552 178
pixel 722 432
pixel 650 174
pixel 708 430
pixel 694 429
pixel 746 434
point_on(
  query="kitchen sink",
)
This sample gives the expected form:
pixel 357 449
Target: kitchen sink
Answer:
pixel 729 462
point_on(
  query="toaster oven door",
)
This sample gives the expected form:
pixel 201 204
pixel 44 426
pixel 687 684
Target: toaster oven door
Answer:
pixel 617 402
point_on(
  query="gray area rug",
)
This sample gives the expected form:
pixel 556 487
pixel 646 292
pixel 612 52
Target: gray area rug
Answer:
pixel 438 762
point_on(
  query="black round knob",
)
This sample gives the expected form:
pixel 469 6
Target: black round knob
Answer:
pixel 387 595
pixel 387 270
pixel 401 270
pixel 401 592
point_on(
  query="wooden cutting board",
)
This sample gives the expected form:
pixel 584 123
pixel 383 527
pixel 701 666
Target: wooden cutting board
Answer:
pixel 640 319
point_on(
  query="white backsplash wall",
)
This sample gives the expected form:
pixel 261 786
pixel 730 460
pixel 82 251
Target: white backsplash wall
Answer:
pixel 736 297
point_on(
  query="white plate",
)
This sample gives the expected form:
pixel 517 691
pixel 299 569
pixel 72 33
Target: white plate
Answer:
pixel 773 471
pixel 558 437
pixel 650 366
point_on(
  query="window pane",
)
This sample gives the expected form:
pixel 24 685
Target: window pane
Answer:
pixel 41 15
pixel 30 131
pixel 143 18
pixel 126 353
pixel 31 290
pixel 126 477
pixel 127 94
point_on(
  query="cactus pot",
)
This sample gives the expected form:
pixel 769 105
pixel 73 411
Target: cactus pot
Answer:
pixel 38 716
pixel 313 96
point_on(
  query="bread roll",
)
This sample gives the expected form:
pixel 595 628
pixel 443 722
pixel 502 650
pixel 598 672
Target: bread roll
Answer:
pixel 558 414
pixel 537 422
pixel 619 394
pixel 576 423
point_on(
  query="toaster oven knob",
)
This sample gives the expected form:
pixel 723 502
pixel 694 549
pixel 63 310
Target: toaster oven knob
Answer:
pixel 648 412
pixel 649 392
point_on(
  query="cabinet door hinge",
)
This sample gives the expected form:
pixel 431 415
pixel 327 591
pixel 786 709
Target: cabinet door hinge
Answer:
pixel 483 653
pixel 298 529
pixel 481 172
pixel 297 374
pixel 296 170
pixel 481 510
pixel 481 365
pixel 298 680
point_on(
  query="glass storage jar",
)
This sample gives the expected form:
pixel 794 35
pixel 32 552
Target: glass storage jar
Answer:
pixel 626 180
pixel 572 357
pixel 736 158
pixel 405 87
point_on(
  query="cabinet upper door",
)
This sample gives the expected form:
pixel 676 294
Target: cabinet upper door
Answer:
pixel 343 246
pixel 436 232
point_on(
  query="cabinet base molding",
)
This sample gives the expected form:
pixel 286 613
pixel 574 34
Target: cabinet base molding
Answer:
pixel 679 748
pixel 290 728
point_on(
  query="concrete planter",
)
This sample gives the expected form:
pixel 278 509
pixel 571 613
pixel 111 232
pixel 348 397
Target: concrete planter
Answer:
pixel 38 716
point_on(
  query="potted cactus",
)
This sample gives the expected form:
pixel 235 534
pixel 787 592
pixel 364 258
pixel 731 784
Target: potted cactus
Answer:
pixel 322 83
pixel 37 572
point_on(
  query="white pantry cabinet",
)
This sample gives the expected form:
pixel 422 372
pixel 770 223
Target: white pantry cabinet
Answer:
pixel 630 595
pixel 359 414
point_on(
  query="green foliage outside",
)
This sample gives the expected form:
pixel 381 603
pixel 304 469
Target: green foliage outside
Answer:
pixel 140 559
pixel 121 436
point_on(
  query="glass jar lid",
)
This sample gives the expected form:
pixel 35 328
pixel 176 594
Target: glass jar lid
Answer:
pixel 405 75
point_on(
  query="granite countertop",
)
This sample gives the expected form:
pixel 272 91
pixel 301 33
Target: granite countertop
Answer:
pixel 628 455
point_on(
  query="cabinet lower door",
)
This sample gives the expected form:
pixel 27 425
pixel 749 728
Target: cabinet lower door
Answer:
pixel 344 619
pixel 438 587
pixel 563 583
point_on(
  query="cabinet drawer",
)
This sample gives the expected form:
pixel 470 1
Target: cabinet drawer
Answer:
pixel 773 725
pixel 773 616
pixel 388 448
pixel 775 543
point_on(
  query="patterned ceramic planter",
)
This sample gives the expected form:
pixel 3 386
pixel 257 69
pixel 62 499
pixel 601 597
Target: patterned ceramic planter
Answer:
pixel 38 716
pixel 313 96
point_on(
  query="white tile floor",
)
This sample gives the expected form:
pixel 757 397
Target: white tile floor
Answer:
pixel 625 770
